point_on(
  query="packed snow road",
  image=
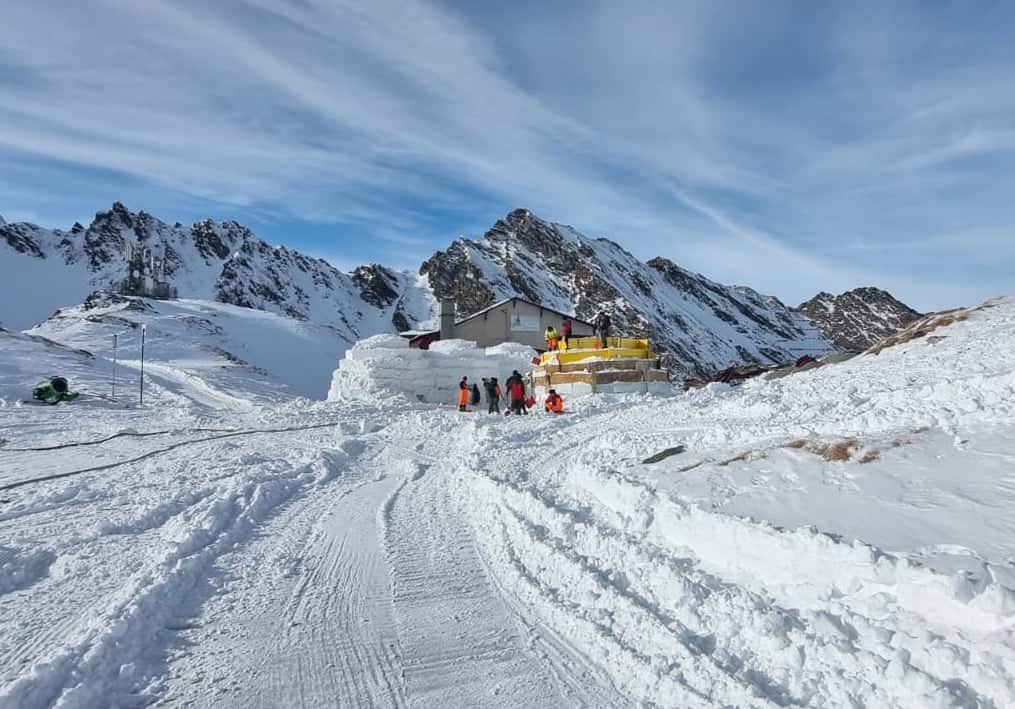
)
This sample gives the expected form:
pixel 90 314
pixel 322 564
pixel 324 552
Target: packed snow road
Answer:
pixel 840 538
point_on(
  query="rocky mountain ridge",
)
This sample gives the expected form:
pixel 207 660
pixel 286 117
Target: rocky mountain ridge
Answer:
pixel 859 318
pixel 221 261
pixel 703 325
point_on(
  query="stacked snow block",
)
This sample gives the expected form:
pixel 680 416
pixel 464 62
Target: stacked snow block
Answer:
pixel 623 375
pixel 385 365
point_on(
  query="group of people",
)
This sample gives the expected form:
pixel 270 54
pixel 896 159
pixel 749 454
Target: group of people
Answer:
pixel 518 403
pixel 600 328
pixel 514 389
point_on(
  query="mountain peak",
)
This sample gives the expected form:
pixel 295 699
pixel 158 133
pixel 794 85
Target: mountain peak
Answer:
pixel 858 318
pixel 702 324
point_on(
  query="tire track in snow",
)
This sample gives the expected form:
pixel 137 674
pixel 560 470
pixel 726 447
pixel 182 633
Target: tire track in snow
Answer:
pixel 678 635
pixel 94 649
pixel 462 642
pixel 338 645
pixel 318 634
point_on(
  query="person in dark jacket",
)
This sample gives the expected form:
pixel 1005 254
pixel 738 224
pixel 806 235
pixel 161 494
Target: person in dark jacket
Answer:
pixel 463 394
pixel 565 331
pixel 493 394
pixel 516 393
pixel 602 328
pixel 476 396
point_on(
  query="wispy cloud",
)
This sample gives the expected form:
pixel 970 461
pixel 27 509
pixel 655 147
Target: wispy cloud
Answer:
pixel 754 146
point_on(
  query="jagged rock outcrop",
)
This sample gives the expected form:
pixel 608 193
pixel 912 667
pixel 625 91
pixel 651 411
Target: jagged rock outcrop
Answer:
pixel 858 319
pixel 704 326
pixel 384 288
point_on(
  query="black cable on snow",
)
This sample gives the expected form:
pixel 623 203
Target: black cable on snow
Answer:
pixel 135 434
pixel 158 451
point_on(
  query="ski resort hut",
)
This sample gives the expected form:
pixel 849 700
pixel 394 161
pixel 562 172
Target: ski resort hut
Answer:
pixel 510 320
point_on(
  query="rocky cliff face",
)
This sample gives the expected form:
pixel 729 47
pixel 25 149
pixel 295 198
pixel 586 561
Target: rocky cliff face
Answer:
pixel 858 319
pixel 703 325
pixel 221 261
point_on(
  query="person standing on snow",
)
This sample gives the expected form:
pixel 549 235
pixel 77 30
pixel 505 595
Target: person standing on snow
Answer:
pixel 602 327
pixel 493 394
pixel 475 394
pixel 516 393
pixel 565 331
pixel 463 394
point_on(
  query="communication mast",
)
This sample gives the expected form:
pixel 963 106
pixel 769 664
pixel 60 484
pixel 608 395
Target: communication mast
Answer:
pixel 146 273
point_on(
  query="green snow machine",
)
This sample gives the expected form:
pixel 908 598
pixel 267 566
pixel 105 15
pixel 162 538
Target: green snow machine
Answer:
pixel 53 390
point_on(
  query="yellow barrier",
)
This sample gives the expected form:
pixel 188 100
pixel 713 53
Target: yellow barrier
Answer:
pixel 583 348
pixel 594 343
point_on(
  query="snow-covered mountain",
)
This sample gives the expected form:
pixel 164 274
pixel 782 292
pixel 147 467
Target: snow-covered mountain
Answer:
pixel 858 319
pixel 705 325
pixel 43 270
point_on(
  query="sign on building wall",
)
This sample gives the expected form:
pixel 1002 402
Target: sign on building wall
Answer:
pixel 525 323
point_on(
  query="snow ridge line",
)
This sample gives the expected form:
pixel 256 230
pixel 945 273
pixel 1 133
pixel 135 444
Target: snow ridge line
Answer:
pixel 159 451
pixel 97 667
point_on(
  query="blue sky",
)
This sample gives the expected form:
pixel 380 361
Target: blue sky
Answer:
pixel 790 146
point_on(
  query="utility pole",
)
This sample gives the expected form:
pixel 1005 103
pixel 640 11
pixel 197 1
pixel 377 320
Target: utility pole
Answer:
pixel 114 367
pixel 144 331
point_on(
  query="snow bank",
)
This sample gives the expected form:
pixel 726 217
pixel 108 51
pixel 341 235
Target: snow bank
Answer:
pixel 687 607
pixel 385 365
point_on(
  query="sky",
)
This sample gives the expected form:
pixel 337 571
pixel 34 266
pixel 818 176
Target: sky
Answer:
pixel 791 146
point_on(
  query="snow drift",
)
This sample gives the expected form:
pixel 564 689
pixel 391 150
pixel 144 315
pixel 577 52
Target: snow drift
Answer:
pixel 385 365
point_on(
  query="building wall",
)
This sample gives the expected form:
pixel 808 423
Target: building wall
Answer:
pixel 515 321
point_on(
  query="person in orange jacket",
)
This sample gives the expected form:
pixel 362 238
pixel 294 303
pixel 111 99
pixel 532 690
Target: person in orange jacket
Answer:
pixel 551 337
pixel 554 403
pixel 463 394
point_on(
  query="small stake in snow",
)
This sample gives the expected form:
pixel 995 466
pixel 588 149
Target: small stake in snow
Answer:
pixel 144 331
pixel 114 368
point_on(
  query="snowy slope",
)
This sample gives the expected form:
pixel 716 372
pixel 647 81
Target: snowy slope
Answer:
pixel 859 318
pixel 43 270
pixel 704 325
pixel 211 354
pixel 758 564
pixel 29 358
pixel 838 537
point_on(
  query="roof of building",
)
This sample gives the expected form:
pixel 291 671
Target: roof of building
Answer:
pixel 496 305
